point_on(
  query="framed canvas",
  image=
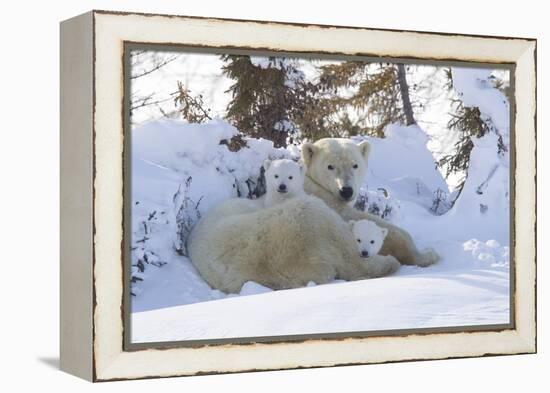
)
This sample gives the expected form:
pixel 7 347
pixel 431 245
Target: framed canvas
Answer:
pixel 248 195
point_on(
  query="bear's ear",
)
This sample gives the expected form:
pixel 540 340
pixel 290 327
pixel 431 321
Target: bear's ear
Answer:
pixel 384 232
pixel 365 149
pixel 267 163
pixel 308 151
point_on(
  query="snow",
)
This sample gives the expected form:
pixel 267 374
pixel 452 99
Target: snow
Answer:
pixel 469 286
pixel 435 102
pixel 484 201
pixel 179 142
pixel 181 150
pixel 404 147
pixel 414 298
pixel 476 90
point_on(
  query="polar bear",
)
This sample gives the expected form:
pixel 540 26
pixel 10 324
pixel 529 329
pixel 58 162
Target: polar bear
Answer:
pixel 284 179
pixel 369 237
pixel 334 170
pixel 286 245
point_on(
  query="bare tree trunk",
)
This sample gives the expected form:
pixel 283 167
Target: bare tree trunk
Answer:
pixel 404 89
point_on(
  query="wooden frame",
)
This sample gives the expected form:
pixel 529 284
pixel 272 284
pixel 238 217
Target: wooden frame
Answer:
pixel 92 189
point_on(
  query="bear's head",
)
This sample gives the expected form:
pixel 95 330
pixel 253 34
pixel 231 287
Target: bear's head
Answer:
pixel 369 236
pixel 284 176
pixel 337 164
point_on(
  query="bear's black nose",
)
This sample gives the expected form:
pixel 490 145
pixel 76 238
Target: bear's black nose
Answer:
pixel 346 193
pixel 282 187
pixel 365 254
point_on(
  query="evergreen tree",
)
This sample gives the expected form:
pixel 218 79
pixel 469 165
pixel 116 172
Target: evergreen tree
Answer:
pixel 469 123
pixel 377 94
pixel 273 100
pixel 265 97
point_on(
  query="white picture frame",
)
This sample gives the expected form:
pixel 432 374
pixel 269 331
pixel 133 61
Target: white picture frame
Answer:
pixel 92 195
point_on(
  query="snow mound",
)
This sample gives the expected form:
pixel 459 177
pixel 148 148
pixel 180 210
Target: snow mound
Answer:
pixel 166 142
pixel 253 288
pixel 403 147
pixel 430 299
pixel 483 202
pixel 489 253
pixel 194 150
pixel 417 185
pixel 476 90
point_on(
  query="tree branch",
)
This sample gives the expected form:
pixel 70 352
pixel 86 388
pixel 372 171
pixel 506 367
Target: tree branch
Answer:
pixel 155 68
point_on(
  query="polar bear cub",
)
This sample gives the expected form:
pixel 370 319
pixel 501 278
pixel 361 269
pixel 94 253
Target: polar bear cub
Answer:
pixel 284 179
pixel 369 236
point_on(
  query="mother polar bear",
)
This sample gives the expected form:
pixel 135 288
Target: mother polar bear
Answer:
pixel 303 239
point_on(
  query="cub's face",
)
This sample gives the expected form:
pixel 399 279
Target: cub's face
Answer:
pixel 369 237
pixel 338 165
pixel 284 177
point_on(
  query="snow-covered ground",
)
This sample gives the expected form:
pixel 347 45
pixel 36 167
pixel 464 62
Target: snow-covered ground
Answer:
pixel 469 286
pixel 440 297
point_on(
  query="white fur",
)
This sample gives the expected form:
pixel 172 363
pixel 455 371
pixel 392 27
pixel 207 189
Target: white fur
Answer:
pixel 332 164
pixel 283 246
pixel 284 179
pixel 369 237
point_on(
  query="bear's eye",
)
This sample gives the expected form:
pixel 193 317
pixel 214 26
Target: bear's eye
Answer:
pixel 276 176
pixel 358 240
pixel 330 167
pixel 290 177
pixel 372 242
pixel 355 166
